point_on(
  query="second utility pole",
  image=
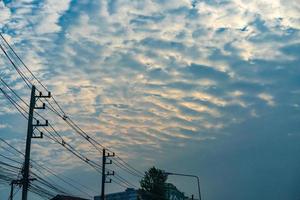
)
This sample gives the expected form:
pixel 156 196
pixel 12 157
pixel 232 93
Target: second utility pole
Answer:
pixel 104 174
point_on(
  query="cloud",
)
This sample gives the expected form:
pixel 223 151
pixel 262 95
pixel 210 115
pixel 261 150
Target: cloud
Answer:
pixel 267 98
pixel 50 13
pixel 2 126
pixel 4 13
pixel 152 70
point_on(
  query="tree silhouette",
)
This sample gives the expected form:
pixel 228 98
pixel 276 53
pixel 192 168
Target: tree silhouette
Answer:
pixel 153 184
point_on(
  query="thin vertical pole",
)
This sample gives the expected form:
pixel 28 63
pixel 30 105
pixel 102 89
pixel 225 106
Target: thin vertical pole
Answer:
pixel 198 187
pixel 11 190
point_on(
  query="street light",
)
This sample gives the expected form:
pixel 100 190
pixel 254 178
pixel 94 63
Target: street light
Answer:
pixel 187 175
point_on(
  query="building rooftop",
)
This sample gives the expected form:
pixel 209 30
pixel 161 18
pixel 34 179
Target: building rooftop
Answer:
pixel 63 197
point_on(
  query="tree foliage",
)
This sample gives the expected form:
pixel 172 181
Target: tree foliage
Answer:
pixel 153 184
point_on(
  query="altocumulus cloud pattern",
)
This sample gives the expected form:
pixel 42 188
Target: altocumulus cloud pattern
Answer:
pixel 148 76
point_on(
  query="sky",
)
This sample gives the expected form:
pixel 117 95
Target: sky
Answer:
pixel 204 87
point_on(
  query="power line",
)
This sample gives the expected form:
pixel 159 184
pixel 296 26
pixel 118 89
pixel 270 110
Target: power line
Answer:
pixel 22 62
pixel 18 107
pixel 6 85
pixel 11 168
pixel 127 167
pixel 36 165
pixel 121 163
pixel 27 82
pixel 76 153
pixel 10 159
pixel 71 149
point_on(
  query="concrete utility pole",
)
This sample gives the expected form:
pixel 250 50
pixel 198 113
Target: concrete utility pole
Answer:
pixel 30 129
pixel 104 173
